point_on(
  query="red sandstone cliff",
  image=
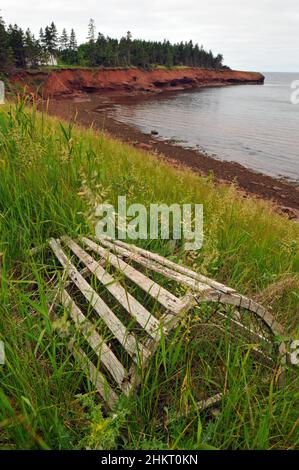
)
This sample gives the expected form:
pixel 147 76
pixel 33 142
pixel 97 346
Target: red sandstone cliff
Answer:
pixel 65 82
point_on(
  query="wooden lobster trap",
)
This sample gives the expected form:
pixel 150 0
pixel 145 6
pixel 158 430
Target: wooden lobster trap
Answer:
pixel 120 301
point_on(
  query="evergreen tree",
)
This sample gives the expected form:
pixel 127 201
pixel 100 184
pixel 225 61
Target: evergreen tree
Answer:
pixel 64 41
pixel 73 48
pixel 123 55
pixel 101 46
pixel 19 49
pixel 218 61
pixel 64 46
pixel 47 39
pixel 10 59
pixel 73 41
pixel 3 44
pixel 50 39
pixel 54 34
pixel 91 31
pixel 32 49
pixel 91 54
pixel 128 44
pixel 41 36
pixel 16 41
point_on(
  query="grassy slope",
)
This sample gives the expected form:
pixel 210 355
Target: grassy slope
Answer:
pixel 49 174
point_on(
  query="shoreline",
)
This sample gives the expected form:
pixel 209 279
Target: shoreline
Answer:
pixel 93 110
pixel 71 83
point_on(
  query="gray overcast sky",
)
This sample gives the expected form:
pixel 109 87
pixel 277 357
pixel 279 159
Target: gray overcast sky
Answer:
pixel 257 35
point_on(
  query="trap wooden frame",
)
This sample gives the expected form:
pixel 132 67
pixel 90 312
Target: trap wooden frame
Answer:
pixel 119 255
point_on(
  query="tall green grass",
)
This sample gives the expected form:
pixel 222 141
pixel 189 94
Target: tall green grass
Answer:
pixel 52 175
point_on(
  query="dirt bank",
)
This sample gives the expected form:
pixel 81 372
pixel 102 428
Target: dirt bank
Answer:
pixel 90 93
pixel 73 82
pixel 95 111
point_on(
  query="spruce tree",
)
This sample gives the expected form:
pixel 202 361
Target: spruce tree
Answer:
pixel 104 51
pixel 91 31
pixel 41 36
pixel 10 59
pixel 54 35
pixel 16 41
pixel 32 49
pixel 51 39
pixel 128 44
pixel 63 41
pixel 73 41
pixel 3 44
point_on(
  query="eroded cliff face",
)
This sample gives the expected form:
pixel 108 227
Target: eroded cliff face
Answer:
pixel 74 82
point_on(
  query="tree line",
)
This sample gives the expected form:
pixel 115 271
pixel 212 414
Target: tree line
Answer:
pixel 21 49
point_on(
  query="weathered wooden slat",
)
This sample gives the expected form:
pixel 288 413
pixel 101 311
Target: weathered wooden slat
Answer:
pixel 247 328
pixel 252 337
pixel 250 334
pixel 132 306
pixel 193 284
pixel 106 356
pixel 95 376
pixel 225 296
pixel 126 339
pixel 202 405
pixel 157 292
pixel 176 267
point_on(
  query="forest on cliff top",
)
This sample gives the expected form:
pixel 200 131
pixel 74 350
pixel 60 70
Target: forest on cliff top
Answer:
pixel 53 174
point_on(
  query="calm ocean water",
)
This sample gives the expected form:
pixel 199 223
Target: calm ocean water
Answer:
pixel 255 125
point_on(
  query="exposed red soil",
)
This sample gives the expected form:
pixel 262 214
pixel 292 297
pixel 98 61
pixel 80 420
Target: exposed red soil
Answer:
pixel 74 82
